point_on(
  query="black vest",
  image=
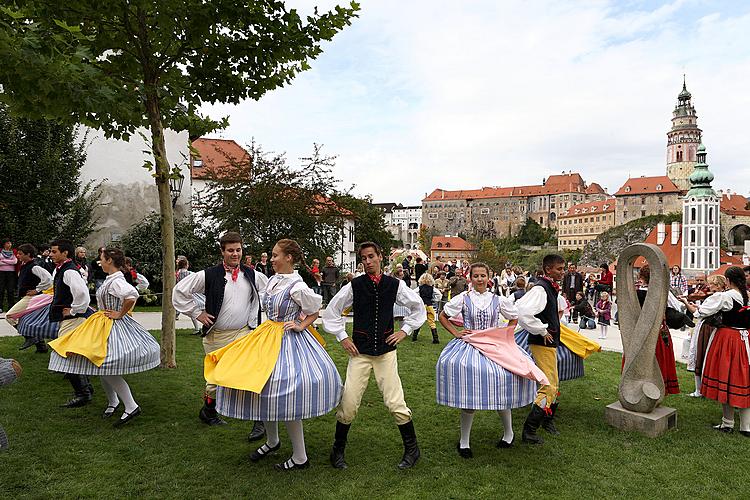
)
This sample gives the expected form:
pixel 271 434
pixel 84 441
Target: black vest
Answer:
pixel 216 281
pixel 373 313
pixel 734 318
pixel 26 279
pixel 63 297
pixel 425 291
pixel 548 315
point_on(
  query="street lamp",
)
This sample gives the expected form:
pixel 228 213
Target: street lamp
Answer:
pixel 175 187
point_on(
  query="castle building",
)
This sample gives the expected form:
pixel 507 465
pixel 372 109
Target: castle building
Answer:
pixel 582 223
pixel 494 212
pixel 700 220
pixel 643 196
pixel 682 141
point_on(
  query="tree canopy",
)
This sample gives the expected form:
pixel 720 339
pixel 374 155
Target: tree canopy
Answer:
pixel 43 197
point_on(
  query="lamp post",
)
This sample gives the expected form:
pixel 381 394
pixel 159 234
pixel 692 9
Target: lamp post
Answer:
pixel 175 187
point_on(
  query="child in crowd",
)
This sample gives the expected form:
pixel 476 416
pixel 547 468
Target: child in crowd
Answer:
pixel 603 312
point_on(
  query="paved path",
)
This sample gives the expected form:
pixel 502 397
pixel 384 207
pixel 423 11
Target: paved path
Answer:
pixel 613 342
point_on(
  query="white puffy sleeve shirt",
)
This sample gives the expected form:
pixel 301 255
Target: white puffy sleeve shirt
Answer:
pixel 79 289
pixel 505 306
pixel 720 301
pixel 308 300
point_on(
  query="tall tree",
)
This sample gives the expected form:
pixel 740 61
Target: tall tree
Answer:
pixel 43 197
pixel 369 221
pixel 266 199
pixel 122 65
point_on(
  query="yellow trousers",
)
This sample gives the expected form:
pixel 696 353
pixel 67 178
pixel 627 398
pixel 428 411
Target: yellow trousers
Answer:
pixel 546 359
pixel 19 306
pixel 216 340
pixel 431 317
pixel 389 383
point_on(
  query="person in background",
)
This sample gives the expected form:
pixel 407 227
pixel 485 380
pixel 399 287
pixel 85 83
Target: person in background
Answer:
pixel 183 271
pixel 520 291
pixel 678 281
pixel 584 311
pixel 507 279
pixel 572 284
pixel 444 287
pixel 82 263
pixel 249 261
pixel 457 284
pixel 96 274
pixel 430 295
pixel 746 270
pixel 360 270
pixel 10 370
pixel 330 275
pixel 606 279
pixel 264 266
pixel 419 268
pixel 8 261
pixel 33 279
pixel 604 314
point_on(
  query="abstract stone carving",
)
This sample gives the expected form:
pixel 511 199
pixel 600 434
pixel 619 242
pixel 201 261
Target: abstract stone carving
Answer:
pixel 641 385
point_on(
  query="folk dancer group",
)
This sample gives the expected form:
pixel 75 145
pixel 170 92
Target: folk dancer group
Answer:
pixel 279 370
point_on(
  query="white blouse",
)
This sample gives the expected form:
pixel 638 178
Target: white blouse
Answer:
pixel 301 293
pixel 116 286
pixel 505 306
pixel 719 301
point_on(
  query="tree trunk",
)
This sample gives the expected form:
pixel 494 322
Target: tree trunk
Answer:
pixel 167 229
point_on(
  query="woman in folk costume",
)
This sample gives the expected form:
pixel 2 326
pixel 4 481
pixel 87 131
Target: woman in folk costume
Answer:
pixel 726 369
pixel 110 343
pixel 483 368
pixel 281 371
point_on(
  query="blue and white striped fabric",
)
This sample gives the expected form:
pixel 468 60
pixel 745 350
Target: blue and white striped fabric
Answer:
pixel 304 383
pixel 569 364
pixel 467 379
pixel 130 348
pixel 36 325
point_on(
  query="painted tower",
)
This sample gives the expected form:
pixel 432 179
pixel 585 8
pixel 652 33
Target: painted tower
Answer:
pixel 700 221
pixel 682 141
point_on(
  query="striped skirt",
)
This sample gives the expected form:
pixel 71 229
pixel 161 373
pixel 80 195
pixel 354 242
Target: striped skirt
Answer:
pixel 130 349
pixel 36 325
pixel 304 384
pixel 467 379
pixel 569 364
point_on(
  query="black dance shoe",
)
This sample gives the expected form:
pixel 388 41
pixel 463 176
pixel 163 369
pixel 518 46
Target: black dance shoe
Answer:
pixel 291 465
pixel 209 416
pixel 721 428
pixel 745 433
pixel 128 417
pixel 27 343
pixel 41 347
pixel 78 401
pixel 259 430
pixel 464 452
pixel 109 411
pixel 264 451
pixel 504 444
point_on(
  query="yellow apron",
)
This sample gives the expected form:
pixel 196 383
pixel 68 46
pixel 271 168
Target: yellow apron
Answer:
pixel 88 340
pixel 247 363
pixel 580 345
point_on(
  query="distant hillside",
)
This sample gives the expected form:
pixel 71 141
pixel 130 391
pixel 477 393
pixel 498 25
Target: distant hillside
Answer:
pixel 609 244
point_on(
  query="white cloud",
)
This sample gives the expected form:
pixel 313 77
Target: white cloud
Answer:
pixel 422 94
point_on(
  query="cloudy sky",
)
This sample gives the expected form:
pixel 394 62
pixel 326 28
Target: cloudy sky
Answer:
pixel 422 94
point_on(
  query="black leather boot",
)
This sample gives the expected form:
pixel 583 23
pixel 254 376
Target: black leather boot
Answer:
pixel 435 338
pixel 28 342
pixel 548 422
pixel 530 426
pixel 339 445
pixel 259 430
pixel 41 347
pixel 208 413
pixel 411 449
pixel 414 335
pixel 82 391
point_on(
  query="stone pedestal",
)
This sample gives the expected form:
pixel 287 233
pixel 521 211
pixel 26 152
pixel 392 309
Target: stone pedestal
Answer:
pixel 652 424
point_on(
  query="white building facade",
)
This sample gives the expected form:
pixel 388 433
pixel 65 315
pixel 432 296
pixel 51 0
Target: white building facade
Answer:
pixel 701 238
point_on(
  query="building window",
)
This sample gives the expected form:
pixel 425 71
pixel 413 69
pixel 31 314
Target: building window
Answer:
pixel 692 260
pixel 643 200
pixel 710 259
pixel 432 215
pixel 679 155
pixel 643 213
pixel 692 215
pixel 661 198
pixel 692 236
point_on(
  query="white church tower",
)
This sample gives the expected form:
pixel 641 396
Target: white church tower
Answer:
pixel 700 221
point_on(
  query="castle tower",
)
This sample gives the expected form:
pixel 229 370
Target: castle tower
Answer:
pixel 682 140
pixel 700 221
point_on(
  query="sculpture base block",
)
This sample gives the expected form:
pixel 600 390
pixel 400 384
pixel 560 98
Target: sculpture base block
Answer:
pixel 652 424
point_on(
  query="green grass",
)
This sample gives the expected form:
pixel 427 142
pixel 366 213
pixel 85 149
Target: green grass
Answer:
pixel 168 453
pixel 140 309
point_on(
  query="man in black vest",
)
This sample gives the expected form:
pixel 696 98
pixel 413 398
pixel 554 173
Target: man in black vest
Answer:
pixel 234 295
pixel 539 314
pixel 373 347
pixel 572 284
pixel 70 307
pixel 32 280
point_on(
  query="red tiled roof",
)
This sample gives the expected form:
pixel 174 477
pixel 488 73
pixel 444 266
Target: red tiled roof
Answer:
pixel 595 188
pixel 734 204
pixel 647 185
pixel 450 243
pixel 593 207
pixel 564 183
pixel 216 155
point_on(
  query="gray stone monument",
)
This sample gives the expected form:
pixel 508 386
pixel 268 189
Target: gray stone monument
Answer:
pixel 641 389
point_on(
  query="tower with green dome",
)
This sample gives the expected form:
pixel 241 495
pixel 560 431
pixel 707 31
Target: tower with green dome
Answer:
pixel 700 220
pixel 683 140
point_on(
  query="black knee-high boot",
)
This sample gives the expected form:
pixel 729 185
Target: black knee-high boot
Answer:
pixel 414 335
pixel 82 390
pixel 411 449
pixel 339 445
pixel 208 413
pixel 532 423
pixel 435 338
pixel 548 422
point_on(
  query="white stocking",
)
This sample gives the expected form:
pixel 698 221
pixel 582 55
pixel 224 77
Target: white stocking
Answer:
pixel 112 399
pixel 297 436
pixel 123 391
pixel 467 418
pixel 507 418
pixel 728 415
pixel 272 433
pixel 697 384
pixel 745 419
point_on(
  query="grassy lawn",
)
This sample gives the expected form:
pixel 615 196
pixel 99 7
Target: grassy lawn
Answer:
pixel 141 309
pixel 168 453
